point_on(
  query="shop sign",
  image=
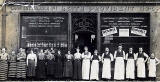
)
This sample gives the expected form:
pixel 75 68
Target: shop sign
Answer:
pixel 109 31
pixel 138 31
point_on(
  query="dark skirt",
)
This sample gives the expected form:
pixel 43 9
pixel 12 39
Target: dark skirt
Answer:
pixel 77 69
pixel 12 69
pixel 59 69
pixel 21 69
pixel 68 69
pixel 3 69
pixel 31 68
pixel 50 67
pixel 41 69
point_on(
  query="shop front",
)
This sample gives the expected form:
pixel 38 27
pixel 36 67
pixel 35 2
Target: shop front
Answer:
pixel 69 30
pixel 65 26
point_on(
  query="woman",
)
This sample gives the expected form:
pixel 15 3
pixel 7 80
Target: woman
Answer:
pixel 86 55
pixel 130 67
pixel 50 58
pixel 77 75
pixel 152 63
pixel 107 58
pixel 41 67
pixel 12 65
pixel 21 64
pixel 95 66
pixel 119 56
pixel 141 68
pixel 59 68
pixel 68 67
pixel 31 64
pixel 3 65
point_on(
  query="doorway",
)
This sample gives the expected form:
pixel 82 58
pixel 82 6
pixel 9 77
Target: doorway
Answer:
pixel 84 31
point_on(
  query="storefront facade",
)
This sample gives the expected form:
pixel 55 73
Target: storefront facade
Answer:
pixel 64 26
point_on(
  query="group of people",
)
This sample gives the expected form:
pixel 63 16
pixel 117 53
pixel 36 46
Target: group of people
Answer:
pixel 49 64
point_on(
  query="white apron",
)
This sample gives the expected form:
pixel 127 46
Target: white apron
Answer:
pixel 85 69
pixel 119 68
pixel 94 70
pixel 130 69
pixel 141 70
pixel 152 68
pixel 106 70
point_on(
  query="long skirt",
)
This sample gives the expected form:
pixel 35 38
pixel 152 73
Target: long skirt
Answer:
pixel 59 70
pixel 106 70
pixel 141 68
pixel 94 70
pixel 50 67
pixel 31 68
pixel 41 69
pixel 119 69
pixel 68 69
pixel 12 69
pixel 152 68
pixel 85 69
pixel 77 69
pixel 21 69
pixel 130 69
pixel 3 69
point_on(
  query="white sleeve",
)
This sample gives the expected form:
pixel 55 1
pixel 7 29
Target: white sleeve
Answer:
pixel 27 58
pixel 124 57
pixel 115 54
pixel 82 55
pixel 111 57
pixel 35 60
pixel 127 56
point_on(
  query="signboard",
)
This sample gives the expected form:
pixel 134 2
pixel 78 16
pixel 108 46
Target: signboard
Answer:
pixel 109 31
pixel 44 30
pixel 138 31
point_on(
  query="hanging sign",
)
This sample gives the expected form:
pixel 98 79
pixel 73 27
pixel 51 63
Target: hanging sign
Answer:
pixel 138 31
pixel 109 31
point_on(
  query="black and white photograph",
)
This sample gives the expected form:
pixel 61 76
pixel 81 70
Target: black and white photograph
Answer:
pixel 79 40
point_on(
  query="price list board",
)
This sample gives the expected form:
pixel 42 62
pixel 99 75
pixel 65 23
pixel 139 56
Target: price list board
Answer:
pixel 128 29
pixel 44 30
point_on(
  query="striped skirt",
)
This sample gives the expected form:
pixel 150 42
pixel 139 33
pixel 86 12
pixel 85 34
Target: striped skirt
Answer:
pixel 12 69
pixel 3 69
pixel 21 69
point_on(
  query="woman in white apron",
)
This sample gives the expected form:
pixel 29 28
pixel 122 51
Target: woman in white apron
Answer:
pixel 141 68
pixel 86 55
pixel 95 66
pixel 130 67
pixel 119 57
pixel 107 58
pixel 152 62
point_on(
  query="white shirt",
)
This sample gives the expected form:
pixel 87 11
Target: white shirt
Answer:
pixel 32 56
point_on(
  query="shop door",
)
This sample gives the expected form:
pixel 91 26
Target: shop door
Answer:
pixel 84 32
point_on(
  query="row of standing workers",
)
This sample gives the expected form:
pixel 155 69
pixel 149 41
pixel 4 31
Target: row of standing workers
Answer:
pixel 79 66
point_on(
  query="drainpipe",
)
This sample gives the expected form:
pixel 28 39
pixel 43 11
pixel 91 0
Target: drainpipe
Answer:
pixel 3 29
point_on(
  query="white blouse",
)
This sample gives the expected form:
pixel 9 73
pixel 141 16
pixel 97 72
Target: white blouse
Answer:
pixel 32 57
pixel 77 55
